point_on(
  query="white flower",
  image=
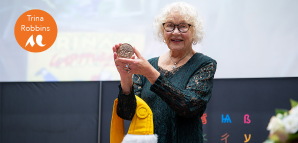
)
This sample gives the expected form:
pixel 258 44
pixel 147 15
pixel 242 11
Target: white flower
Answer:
pixel 275 124
pixel 279 115
pixel 294 111
pixel 291 123
pixel 277 129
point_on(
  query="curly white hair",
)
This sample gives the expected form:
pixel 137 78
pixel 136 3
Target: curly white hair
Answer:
pixel 190 15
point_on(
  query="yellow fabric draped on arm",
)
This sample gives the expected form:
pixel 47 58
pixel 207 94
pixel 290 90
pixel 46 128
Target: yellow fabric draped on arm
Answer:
pixel 141 124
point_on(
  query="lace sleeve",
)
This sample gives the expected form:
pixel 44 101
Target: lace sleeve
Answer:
pixel 192 100
pixel 127 103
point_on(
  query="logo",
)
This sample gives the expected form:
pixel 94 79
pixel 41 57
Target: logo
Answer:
pixel 246 119
pixel 225 119
pixel 247 139
pixel 203 118
pixel 225 137
pixel 204 137
pixel 35 30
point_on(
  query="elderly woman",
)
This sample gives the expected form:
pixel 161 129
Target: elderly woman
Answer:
pixel 177 85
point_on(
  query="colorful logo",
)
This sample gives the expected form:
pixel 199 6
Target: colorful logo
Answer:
pixel 35 30
pixel 225 137
pixel 247 139
pixel 246 119
pixel 204 137
pixel 203 118
pixel 226 119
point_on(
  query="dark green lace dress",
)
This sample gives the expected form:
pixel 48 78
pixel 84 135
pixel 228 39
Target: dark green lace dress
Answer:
pixel 178 99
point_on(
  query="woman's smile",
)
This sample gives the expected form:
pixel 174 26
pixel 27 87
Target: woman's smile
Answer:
pixel 176 41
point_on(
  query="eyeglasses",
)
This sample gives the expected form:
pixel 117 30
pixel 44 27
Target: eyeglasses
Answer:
pixel 182 27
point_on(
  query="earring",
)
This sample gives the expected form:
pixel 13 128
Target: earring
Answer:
pixel 193 42
pixel 164 40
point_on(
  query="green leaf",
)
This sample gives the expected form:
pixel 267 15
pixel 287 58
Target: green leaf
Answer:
pixel 293 103
pixel 281 111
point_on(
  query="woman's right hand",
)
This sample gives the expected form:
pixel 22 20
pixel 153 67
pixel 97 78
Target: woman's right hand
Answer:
pixel 126 77
pixel 123 73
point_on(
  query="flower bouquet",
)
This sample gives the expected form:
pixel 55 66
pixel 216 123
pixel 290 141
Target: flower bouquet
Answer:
pixel 284 126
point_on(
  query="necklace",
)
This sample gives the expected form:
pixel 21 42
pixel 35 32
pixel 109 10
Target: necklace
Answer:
pixel 174 66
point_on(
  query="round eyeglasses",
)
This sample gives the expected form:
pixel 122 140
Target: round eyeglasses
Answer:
pixel 182 27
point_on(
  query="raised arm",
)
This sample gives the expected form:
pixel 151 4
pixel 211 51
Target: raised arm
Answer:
pixel 131 86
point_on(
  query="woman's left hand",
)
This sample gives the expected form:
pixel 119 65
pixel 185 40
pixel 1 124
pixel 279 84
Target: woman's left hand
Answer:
pixel 139 66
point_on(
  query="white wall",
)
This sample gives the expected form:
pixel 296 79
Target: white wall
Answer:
pixel 247 38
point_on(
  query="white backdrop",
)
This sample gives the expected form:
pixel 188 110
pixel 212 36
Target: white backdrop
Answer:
pixel 248 39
